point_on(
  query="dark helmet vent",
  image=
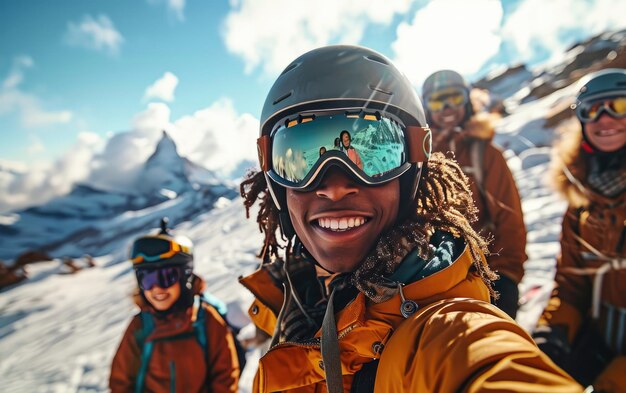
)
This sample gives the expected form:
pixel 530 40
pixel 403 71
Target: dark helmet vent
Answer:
pixel 284 96
pixel 289 68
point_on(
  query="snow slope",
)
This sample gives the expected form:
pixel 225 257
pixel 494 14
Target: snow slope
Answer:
pixel 58 332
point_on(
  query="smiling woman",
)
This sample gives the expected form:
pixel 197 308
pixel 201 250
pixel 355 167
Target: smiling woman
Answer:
pixel 583 324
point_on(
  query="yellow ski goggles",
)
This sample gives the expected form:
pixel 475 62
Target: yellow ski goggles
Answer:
pixel 591 110
pixel 154 248
pixel 451 97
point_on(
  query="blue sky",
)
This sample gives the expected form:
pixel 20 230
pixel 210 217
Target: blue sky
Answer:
pixel 87 86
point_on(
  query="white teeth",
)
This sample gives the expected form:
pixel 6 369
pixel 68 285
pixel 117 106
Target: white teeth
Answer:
pixel 341 224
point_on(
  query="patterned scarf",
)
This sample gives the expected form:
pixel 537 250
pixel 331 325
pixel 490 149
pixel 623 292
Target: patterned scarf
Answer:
pixel 607 175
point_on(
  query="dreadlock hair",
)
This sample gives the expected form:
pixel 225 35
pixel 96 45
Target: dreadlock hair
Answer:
pixel 443 202
pixel 253 188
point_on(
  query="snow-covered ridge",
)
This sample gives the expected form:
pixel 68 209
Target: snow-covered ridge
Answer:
pixel 89 220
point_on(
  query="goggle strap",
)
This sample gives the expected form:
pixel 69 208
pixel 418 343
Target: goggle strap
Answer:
pixel 420 143
pixel 263 149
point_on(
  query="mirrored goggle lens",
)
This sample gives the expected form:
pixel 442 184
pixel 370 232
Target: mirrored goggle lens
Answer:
pixel 447 97
pixel 375 145
pixel 152 249
pixel 164 278
pixel 590 111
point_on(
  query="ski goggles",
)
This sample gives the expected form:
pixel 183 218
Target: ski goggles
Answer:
pixel 163 277
pixel 374 148
pixel 150 249
pixel 591 110
pixel 451 97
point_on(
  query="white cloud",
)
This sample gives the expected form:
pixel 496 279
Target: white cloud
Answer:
pixel 97 34
pixel 153 120
pixel 175 7
pixel 217 137
pixel 270 39
pixel 36 146
pixel 163 88
pixel 27 106
pixel 557 24
pixel 39 183
pixel 453 34
pixel 16 75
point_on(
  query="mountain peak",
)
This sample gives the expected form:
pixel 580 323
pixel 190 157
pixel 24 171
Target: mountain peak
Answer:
pixel 165 170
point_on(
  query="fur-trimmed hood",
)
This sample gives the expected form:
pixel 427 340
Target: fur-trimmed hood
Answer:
pixel 480 126
pixel 568 169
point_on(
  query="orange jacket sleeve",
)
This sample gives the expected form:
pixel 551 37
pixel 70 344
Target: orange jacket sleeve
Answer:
pixel 467 346
pixel 508 250
pixel 223 366
pixel 126 362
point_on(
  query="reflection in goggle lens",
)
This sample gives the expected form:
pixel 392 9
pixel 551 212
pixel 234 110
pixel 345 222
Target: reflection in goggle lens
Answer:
pixel 375 145
pixel 590 111
pixel 450 97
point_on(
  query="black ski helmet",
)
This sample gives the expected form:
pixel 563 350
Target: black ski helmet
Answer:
pixel 605 83
pixel 342 77
pixel 164 250
pixel 444 79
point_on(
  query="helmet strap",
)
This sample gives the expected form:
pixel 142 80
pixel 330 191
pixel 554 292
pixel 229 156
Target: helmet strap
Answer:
pixel 587 147
pixel 286 227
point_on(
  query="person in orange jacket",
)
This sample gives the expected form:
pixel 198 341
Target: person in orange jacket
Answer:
pixel 383 285
pixel 178 342
pixel 583 327
pixel 346 146
pixel 468 135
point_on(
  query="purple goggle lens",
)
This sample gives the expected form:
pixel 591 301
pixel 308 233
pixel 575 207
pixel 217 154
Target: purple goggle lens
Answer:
pixel 164 278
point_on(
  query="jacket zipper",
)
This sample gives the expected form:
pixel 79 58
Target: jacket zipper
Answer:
pixel 315 342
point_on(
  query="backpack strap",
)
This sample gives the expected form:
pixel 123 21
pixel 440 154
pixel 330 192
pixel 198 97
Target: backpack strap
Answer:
pixel 199 325
pixel 146 347
pixel 147 323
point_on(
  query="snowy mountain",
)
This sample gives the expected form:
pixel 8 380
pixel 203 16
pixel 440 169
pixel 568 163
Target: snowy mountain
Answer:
pixel 93 221
pixel 58 332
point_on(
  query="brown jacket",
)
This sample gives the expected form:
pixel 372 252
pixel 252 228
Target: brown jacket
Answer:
pixel 178 364
pixel 591 269
pixel 456 341
pixel 499 206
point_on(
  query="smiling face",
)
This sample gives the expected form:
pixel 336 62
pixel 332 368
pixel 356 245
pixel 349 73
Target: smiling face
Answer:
pixel 607 133
pixel 345 139
pixel 163 298
pixel 448 118
pixel 341 221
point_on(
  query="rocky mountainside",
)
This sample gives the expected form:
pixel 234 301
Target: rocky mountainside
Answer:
pixel 91 220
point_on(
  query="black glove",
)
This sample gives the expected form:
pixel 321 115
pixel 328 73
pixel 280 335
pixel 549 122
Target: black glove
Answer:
pixel 552 340
pixel 509 295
